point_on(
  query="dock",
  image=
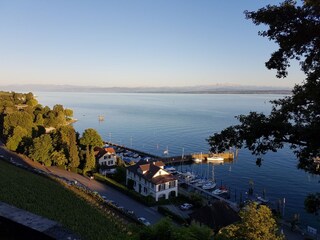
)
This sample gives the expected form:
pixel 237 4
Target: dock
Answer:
pixel 209 194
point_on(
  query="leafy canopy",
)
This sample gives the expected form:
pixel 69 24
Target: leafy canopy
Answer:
pixel 257 223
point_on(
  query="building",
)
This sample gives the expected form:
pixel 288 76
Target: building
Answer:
pixel 150 179
pixel 106 158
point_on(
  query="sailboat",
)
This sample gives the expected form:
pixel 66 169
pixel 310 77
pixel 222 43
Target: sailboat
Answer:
pixel 210 184
pixel 166 152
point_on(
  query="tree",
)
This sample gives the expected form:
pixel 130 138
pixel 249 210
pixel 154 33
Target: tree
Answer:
pixel 17 118
pixel 67 140
pixel 91 138
pixel 41 149
pixel 294 120
pixel 90 161
pixel 13 141
pixel 257 223
pixel 166 230
pixel 59 158
pixel 312 203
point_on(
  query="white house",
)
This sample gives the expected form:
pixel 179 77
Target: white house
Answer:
pixel 106 158
pixel 152 179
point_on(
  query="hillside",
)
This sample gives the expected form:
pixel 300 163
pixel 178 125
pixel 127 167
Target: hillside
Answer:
pixel 48 198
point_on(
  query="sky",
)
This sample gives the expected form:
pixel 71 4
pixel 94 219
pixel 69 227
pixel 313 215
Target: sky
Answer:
pixel 135 43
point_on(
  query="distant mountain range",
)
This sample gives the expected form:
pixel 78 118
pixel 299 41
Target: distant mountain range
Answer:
pixel 209 89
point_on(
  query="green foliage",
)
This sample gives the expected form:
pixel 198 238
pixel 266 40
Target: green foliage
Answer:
pixel 41 150
pixel 22 119
pixel 91 138
pixel 90 162
pixel 18 134
pixel 166 230
pixel 294 120
pixel 257 223
pixel 59 158
pixel 47 198
pixel 312 203
pixel 120 175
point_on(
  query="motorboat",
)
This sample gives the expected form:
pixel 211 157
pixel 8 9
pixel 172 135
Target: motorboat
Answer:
pixel 171 170
pixel 215 158
pixel 197 160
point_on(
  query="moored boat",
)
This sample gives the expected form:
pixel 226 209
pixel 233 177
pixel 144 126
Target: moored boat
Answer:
pixel 215 158
pixel 209 185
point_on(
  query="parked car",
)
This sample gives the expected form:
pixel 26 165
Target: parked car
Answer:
pixel 186 206
pixel 144 221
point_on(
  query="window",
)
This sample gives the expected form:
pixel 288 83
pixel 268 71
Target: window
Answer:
pixel 145 189
pixel 172 184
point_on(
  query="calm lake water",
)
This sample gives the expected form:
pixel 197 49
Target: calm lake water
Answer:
pixel 156 122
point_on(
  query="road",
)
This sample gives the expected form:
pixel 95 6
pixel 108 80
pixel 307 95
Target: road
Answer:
pixel 150 213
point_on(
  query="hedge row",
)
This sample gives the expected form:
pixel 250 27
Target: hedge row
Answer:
pixel 146 200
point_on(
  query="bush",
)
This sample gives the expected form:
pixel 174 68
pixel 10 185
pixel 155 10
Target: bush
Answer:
pixel 148 200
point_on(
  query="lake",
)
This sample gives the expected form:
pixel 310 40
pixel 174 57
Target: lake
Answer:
pixel 182 122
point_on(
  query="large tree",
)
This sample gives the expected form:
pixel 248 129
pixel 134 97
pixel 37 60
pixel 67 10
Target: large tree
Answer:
pixel 41 149
pixel 91 138
pixel 294 120
pixel 257 223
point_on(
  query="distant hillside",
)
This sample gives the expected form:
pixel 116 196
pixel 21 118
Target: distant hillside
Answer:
pixel 209 89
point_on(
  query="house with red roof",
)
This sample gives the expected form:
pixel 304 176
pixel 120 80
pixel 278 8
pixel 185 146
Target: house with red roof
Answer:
pixel 106 158
pixel 150 179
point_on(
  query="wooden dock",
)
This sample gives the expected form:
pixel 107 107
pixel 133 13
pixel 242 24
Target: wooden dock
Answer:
pixel 174 160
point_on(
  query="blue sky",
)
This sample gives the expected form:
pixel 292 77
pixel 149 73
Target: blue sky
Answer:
pixel 135 43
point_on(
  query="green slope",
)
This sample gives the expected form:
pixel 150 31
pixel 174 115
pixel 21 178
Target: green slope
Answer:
pixel 48 198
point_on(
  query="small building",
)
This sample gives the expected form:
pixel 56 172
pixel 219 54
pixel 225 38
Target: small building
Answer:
pixel 106 158
pixel 150 179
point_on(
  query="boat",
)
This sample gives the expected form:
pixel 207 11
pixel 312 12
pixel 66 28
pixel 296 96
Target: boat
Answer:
pixel 262 200
pixel 215 158
pixel 187 176
pixel 197 160
pixel 171 170
pixel 209 185
pixel 200 183
pixel 220 190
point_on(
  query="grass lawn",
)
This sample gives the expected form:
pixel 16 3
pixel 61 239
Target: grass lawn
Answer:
pixel 48 198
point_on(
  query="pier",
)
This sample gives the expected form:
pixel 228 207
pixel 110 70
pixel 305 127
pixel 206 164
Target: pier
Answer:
pixel 209 194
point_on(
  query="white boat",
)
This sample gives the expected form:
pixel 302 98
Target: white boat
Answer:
pixel 171 170
pixel 263 200
pixel 209 185
pixel 219 191
pixel 215 158
pixel 197 160
pixel 188 176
